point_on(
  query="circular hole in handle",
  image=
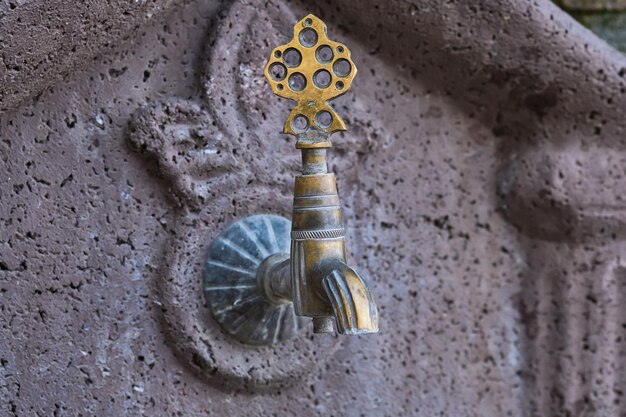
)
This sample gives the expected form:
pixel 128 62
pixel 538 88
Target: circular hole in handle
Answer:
pixel 308 21
pixel 277 54
pixel 324 54
pixel 340 49
pixel 297 82
pixel 342 67
pixel 339 85
pixel 308 37
pixel 292 58
pixel 324 119
pixel 322 78
pixel 299 123
pixel 278 72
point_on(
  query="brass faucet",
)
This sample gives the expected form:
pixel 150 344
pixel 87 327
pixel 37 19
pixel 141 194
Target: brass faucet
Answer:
pixel 310 69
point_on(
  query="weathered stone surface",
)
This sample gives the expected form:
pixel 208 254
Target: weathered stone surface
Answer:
pixel 482 180
pixel 43 40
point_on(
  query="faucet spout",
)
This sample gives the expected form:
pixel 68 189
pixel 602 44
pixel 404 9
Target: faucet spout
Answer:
pixel 353 308
pixel 352 302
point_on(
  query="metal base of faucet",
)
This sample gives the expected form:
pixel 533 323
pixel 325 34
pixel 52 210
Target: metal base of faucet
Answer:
pixel 234 283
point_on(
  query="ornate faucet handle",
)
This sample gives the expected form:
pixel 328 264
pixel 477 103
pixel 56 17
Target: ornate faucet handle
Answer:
pixel 311 70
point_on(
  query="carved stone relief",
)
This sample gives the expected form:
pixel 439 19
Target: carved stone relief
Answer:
pixel 563 199
pixel 197 145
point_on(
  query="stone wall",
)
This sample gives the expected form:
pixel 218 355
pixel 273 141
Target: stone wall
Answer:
pixel 482 178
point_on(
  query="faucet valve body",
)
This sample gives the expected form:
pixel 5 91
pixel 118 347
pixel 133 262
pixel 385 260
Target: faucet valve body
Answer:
pixel 317 240
pixel 324 286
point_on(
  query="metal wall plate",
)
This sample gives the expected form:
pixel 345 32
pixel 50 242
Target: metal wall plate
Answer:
pixel 231 285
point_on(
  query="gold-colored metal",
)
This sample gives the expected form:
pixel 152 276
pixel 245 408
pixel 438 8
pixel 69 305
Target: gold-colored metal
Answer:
pixel 322 286
pixel 311 70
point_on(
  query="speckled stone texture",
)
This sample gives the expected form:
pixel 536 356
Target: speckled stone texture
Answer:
pixel 482 178
pixel 43 40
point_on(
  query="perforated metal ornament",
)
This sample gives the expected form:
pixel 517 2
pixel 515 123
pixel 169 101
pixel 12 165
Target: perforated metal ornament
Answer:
pixel 311 70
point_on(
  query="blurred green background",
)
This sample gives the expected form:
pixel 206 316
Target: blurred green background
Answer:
pixel 607 18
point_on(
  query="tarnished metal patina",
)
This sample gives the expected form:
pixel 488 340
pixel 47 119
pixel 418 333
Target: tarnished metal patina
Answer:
pixel 253 286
